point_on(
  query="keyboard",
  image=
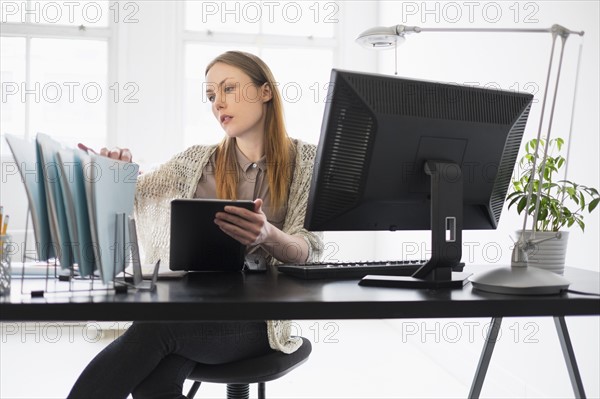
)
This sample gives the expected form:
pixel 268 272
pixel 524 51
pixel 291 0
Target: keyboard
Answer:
pixel 354 270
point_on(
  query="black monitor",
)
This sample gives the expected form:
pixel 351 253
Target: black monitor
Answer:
pixel 402 154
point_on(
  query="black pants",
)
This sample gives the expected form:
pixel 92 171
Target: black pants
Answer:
pixel 152 360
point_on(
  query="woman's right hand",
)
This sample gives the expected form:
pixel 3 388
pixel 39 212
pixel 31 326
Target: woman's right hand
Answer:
pixel 121 154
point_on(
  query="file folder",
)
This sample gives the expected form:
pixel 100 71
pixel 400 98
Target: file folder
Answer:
pixel 26 158
pixel 59 229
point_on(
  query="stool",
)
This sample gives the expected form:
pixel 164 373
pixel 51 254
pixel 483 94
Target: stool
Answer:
pixel 238 375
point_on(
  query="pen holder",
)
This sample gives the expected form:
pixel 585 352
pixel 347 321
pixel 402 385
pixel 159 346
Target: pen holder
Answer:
pixel 5 265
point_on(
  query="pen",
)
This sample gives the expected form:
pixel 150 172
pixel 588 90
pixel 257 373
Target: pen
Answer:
pixel 5 225
pixel 86 148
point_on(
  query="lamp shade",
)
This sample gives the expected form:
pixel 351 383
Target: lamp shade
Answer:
pixel 380 37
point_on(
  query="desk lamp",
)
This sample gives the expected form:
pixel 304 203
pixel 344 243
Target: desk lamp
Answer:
pixel 520 278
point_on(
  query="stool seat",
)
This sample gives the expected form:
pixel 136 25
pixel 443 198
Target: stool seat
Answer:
pixel 249 371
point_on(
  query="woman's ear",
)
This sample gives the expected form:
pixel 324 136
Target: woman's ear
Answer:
pixel 266 93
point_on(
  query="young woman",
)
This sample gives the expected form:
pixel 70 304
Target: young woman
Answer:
pixel 256 160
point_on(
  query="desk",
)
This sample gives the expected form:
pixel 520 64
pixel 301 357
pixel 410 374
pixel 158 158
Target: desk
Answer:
pixel 277 296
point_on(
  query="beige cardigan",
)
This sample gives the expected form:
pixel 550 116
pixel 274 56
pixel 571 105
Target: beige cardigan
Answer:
pixel 178 178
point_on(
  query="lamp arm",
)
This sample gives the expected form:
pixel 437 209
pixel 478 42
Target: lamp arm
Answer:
pixel 547 144
pixel 401 30
pixel 554 29
pixel 537 145
pixel 562 200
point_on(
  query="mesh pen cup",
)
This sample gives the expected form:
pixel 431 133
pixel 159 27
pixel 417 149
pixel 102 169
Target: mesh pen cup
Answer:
pixel 5 271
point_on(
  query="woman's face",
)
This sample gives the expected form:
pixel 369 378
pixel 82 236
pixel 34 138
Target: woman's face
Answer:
pixel 237 103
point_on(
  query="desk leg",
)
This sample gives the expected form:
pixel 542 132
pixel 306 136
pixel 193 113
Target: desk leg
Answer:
pixel 569 354
pixel 486 355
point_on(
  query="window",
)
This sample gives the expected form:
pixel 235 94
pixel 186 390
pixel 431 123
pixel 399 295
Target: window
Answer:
pixel 297 39
pixel 54 69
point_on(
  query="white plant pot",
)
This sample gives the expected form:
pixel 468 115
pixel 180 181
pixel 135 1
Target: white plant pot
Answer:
pixel 549 255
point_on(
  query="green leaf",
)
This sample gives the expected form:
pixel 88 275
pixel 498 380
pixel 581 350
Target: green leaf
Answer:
pixel 593 204
pixel 513 201
pixel 547 174
pixel 521 205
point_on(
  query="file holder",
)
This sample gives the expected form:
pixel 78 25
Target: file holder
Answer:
pixel 121 250
pixel 54 247
pixel 138 279
pixel 24 258
pixel 127 224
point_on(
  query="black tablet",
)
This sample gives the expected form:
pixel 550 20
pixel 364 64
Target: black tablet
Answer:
pixel 197 243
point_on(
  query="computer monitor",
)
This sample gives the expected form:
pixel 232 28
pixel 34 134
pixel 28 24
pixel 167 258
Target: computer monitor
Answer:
pixel 402 154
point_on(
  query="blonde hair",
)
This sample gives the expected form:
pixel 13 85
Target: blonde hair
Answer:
pixel 278 146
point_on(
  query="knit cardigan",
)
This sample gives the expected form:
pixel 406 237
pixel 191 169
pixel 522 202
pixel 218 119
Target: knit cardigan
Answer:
pixel 178 178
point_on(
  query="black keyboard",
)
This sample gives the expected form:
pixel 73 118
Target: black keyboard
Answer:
pixel 351 270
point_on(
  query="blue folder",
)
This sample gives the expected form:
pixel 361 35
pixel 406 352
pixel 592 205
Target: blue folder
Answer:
pixel 26 157
pixel 59 229
pixel 76 207
pixel 111 189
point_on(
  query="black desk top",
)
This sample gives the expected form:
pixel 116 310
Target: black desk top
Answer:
pixel 276 296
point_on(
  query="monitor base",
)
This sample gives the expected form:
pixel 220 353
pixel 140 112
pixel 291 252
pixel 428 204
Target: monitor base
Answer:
pixel 518 280
pixel 458 281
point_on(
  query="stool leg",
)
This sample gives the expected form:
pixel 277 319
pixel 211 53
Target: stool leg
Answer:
pixel 238 391
pixel 261 390
pixel 193 390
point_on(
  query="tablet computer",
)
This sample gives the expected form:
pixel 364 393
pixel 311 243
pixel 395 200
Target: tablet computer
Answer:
pixel 197 243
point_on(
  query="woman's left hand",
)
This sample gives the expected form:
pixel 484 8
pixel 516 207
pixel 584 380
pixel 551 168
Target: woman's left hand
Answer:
pixel 248 227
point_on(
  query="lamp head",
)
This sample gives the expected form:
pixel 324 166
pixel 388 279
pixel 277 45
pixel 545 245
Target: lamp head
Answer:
pixel 385 37
pixel 380 37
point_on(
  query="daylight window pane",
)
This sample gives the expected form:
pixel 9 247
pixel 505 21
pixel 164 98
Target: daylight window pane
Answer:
pixel 68 91
pixel 302 18
pixel 12 67
pixel 223 16
pixel 303 79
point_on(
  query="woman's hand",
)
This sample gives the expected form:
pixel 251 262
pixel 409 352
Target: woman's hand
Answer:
pixel 121 154
pixel 247 227
pixel 253 228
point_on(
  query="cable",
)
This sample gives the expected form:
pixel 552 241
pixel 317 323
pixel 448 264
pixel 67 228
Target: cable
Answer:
pixel 583 293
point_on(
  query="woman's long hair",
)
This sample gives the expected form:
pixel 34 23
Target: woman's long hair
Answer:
pixel 278 146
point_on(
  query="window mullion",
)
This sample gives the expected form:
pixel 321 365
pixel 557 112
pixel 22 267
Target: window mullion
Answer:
pixel 112 107
pixel 56 32
pixel 259 40
pixel 27 84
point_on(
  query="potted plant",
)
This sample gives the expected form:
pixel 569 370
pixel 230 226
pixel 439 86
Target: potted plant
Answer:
pixel 562 202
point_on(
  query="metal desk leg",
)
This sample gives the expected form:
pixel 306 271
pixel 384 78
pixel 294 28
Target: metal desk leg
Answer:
pixel 569 354
pixel 486 355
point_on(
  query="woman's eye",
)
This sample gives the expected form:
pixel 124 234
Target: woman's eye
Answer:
pixel 211 98
pixel 229 89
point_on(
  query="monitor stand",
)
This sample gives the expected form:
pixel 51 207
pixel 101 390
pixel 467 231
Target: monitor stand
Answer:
pixel 446 234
